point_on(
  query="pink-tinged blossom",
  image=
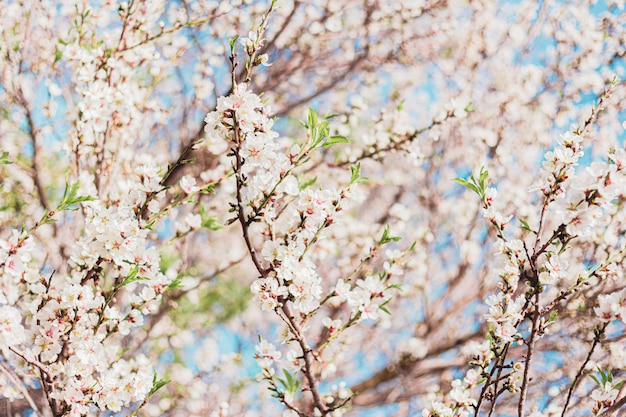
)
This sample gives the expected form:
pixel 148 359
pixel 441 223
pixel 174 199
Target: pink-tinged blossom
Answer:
pixel 273 250
pixel 188 184
pixel 266 354
pixel 460 394
pixel 604 396
pixel 554 270
pixel 373 285
pixel 331 325
pixel 438 409
pixel 268 291
pixel 110 95
pixel 342 290
pixel 612 306
pixel 504 315
pixel 12 332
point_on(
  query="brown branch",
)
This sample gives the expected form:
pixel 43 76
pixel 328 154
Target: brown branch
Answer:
pixel 599 333
pixel 308 357
pixel 33 362
pixel 529 356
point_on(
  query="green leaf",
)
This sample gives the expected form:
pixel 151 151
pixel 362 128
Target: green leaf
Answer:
pixel 57 55
pixel 524 225
pixel 356 177
pixel 4 158
pixel 395 287
pixel 323 131
pixel 208 189
pixel 552 317
pixel 387 238
pixel 333 140
pixel 356 173
pixel 383 308
pixel 70 198
pixel 470 107
pixel 290 383
pixel 603 376
pixel 479 185
pixel 232 41
pixel 176 283
pixel 311 119
pixel 132 276
pixel 467 184
pixel 209 222
pixel 484 174
pixel 157 384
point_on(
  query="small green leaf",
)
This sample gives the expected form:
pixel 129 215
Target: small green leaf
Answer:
pixel 470 107
pixel 4 158
pixel 524 225
pixel 323 131
pixel 232 41
pixel 484 174
pixel 157 384
pixel 603 376
pixel 552 317
pixel 209 222
pixel 176 283
pixel 383 306
pixel 479 185
pixel 132 276
pixel 311 118
pixel 356 177
pixel 395 287
pixel 70 198
pixel 466 184
pixel 333 140
pixel 387 238
pixel 290 383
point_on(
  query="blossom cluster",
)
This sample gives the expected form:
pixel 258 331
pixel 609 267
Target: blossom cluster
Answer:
pixel 71 325
pixel 153 271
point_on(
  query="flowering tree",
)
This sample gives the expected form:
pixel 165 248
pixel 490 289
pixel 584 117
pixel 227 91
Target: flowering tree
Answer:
pixel 440 233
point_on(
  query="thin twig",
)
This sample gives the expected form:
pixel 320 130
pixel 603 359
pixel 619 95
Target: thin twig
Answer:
pixel 529 355
pixel 18 384
pixel 33 362
pixel 598 335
